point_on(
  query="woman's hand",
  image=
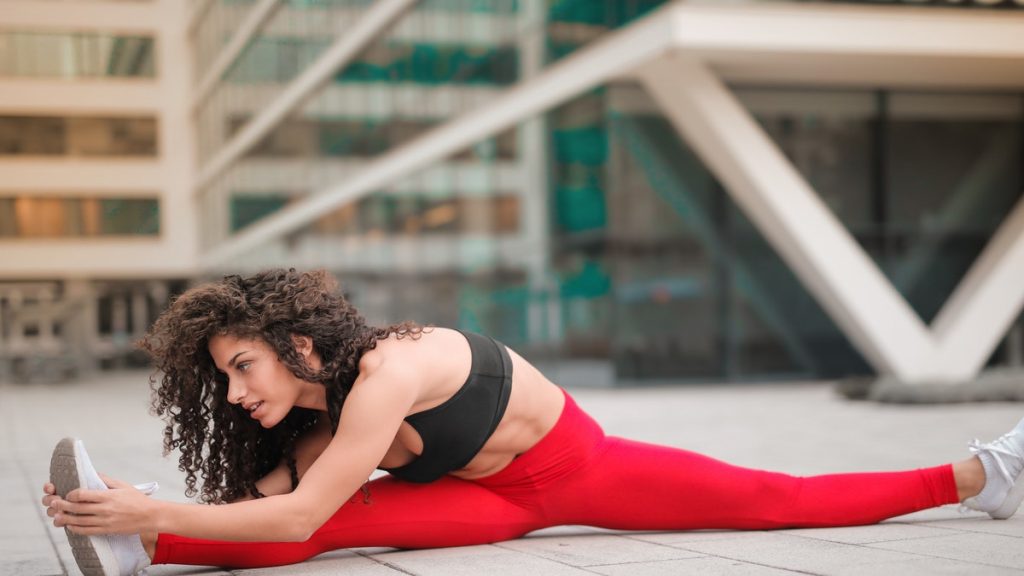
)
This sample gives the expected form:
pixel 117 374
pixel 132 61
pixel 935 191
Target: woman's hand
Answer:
pixel 120 510
pixel 49 497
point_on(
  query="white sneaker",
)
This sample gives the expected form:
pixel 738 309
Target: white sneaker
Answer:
pixel 107 555
pixel 1003 460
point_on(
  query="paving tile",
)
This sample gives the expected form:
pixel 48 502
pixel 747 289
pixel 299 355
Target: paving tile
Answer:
pixel 32 567
pixel 329 564
pixel 1012 527
pixel 63 549
pixel 927 567
pixel 27 554
pixel 884 532
pixel 24 544
pixel 951 512
pixel 169 570
pixel 474 561
pixel 779 550
pixel 594 549
pixel 984 549
pixel 572 531
pixel 682 538
pixel 703 565
pixel 21 515
pixel 800 429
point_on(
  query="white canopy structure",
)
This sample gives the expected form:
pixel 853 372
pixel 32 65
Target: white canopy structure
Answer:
pixel 684 55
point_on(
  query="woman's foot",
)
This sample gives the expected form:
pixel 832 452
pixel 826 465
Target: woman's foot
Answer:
pixel 111 555
pixel 1003 461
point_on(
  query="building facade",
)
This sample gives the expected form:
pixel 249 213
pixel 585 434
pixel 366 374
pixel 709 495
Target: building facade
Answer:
pixel 435 157
pixel 96 226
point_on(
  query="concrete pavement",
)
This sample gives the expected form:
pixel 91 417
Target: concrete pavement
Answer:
pixel 795 428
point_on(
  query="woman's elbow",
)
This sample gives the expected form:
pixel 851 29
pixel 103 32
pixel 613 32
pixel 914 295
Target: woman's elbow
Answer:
pixel 298 531
pixel 303 525
pixel 300 535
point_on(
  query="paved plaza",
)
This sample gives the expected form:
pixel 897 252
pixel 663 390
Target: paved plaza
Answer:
pixel 795 428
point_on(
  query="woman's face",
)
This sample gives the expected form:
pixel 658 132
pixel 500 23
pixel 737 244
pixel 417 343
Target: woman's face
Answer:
pixel 257 380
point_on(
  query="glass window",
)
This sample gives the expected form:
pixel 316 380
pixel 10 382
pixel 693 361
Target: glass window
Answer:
pixel 75 55
pixel 32 136
pixel 278 60
pixel 126 216
pixel 246 209
pixel 409 214
pixel 434 64
pixel 833 152
pixel 77 136
pixel 676 246
pixel 8 222
pixel 216 24
pixel 361 138
pixel 54 217
pixel 953 172
pixel 483 6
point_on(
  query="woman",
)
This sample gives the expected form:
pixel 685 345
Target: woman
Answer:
pixel 282 401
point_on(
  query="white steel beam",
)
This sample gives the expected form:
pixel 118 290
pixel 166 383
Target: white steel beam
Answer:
pixel 197 11
pixel 854 44
pixel 792 217
pixel 829 262
pixel 985 303
pixel 255 18
pixel 581 71
pixel 374 21
pixel 709 30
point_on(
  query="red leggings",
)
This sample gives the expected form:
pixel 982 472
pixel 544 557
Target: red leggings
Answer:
pixel 577 475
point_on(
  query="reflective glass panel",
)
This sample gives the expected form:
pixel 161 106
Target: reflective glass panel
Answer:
pixel 75 55
pixel 77 136
pixel 55 217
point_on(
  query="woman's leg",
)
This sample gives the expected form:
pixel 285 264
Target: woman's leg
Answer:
pixel 448 512
pixel 633 485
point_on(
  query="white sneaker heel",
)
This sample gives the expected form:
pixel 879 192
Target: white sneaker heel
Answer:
pixel 1003 460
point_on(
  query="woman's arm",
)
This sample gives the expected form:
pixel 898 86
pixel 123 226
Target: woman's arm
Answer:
pixel 308 448
pixel 369 421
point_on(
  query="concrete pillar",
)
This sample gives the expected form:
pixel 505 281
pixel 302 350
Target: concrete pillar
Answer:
pixel 985 303
pixel 80 329
pixel 119 332
pixel 140 312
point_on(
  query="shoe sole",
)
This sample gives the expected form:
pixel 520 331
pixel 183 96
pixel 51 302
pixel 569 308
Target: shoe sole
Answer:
pixel 93 554
pixel 1012 501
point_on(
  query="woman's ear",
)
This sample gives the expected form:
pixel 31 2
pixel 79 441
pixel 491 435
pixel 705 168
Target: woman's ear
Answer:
pixel 303 345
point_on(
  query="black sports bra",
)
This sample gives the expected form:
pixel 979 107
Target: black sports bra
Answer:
pixel 454 431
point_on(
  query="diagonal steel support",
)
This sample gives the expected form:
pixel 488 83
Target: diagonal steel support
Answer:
pixel 670 51
pixel 827 259
pixel 792 217
pixel 577 73
pixel 377 18
pixel 985 303
pixel 255 19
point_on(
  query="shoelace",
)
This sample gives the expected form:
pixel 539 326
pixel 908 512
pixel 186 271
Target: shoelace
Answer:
pixel 147 488
pixel 1004 446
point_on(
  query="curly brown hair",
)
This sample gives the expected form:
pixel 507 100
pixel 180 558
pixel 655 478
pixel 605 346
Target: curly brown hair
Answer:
pixel 218 441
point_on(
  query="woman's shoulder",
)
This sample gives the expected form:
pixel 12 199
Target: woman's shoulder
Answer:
pixel 422 353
